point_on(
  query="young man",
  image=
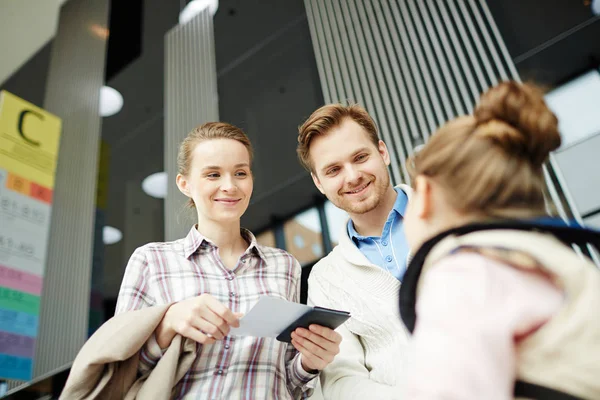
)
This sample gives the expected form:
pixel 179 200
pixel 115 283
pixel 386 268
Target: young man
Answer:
pixel 340 147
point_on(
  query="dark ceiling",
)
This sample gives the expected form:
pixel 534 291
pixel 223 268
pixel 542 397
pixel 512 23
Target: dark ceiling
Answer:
pixel 550 41
pixel 268 84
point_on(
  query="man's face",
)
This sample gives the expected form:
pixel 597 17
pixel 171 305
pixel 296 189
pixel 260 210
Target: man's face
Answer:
pixel 349 169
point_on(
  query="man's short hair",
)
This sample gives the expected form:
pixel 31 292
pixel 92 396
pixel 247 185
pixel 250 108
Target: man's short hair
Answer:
pixel 324 120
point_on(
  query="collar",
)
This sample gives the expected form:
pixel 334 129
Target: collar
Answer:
pixel 398 208
pixel 194 240
pixel 347 248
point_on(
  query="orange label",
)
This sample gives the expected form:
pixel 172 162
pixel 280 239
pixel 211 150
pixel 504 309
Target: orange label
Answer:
pixel 41 193
pixel 18 184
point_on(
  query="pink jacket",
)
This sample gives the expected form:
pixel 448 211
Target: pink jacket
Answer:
pixel 472 312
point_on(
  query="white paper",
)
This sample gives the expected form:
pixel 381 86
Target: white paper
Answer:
pixel 269 317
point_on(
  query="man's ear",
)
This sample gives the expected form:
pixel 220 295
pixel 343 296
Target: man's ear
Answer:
pixel 423 196
pixel 317 182
pixel 383 151
pixel 183 185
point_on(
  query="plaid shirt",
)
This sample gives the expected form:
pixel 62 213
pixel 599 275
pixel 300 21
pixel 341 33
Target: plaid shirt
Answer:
pixel 235 367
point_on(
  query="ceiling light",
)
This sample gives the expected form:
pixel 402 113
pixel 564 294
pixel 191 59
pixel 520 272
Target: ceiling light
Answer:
pixel 99 31
pixel 111 235
pixel 111 101
pixel 194 7
pixel 155 185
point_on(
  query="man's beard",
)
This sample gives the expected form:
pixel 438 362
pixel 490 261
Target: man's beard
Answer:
pixel 369 204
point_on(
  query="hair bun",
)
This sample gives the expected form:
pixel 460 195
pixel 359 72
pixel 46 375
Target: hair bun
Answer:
pixel 515 117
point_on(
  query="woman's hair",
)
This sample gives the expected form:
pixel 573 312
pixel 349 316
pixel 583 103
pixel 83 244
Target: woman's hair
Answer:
pixel 208 131
pixel 491 162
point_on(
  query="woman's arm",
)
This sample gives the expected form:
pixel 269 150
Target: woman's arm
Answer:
pixel 311 349
pixel 299 381
pixel 201 318
pixel 135 294
pixel 135 289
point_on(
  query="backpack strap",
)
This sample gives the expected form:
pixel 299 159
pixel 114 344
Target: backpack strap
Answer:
pixel 532 391
pixel 408 290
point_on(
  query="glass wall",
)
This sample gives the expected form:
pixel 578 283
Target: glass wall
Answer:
pixel 336 221
pixel 575 103
pixel 267 238
pixel 304 236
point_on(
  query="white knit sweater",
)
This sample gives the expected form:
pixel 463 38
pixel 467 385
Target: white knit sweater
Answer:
pixel 370 364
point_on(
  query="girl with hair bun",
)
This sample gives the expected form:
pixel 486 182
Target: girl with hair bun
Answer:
pixel 497 309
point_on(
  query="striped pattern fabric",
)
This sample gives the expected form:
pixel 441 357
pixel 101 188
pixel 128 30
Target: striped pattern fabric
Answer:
pixel 235 367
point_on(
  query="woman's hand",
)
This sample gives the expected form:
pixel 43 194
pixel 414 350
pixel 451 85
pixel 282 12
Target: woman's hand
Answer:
pixel 202 318
pixel 318 345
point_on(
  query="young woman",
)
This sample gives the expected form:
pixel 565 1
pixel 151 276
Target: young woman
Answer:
pixel 217 273
pixel 499 312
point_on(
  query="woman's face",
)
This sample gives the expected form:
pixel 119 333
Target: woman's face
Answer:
pixel 219 181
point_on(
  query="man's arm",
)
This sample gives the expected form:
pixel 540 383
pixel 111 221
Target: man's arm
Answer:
pixel 347 377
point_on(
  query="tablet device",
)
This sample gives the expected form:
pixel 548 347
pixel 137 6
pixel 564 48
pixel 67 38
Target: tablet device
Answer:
pixel 319 316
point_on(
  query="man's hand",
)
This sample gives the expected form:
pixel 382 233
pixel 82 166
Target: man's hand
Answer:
pixel 318 345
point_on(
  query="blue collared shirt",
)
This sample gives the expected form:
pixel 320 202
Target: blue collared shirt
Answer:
pixel 390 250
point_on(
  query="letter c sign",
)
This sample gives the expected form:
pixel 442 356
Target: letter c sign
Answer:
pixel 22 116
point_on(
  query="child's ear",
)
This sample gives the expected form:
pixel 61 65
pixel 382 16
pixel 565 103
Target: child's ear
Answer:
pixel 423 197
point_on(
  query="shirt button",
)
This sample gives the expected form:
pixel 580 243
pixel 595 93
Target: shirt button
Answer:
pixel 232 294
pixel 384 243
pixel 388 259
pixel 229 277
pixel 220 372
pixel 227 347
pixel 244 260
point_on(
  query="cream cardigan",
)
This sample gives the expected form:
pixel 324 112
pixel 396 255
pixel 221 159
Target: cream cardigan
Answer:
pixel 370 364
